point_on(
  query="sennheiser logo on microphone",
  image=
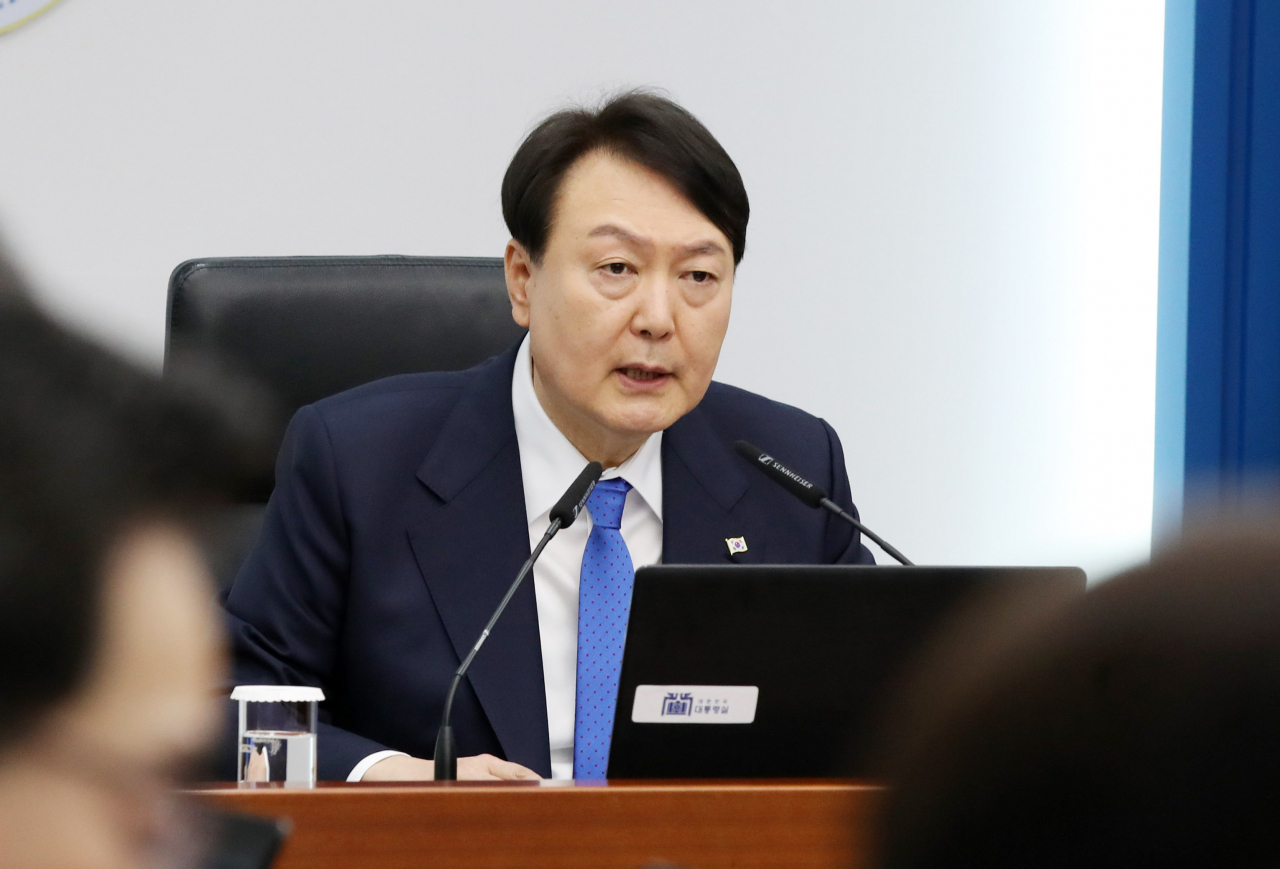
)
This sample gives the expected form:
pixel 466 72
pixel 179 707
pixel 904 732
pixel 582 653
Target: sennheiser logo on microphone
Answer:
pixel 785 471
pixel 766 459
pixel 583 502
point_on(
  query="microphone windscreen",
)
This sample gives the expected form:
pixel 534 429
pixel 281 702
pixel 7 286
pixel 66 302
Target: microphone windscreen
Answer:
pixel 571 502
pixel 781 474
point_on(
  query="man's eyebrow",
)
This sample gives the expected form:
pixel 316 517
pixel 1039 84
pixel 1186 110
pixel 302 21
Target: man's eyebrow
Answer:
pixel 619 233
pixel 697 248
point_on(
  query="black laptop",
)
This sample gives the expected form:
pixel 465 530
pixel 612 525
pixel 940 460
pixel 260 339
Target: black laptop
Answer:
pixel 778 670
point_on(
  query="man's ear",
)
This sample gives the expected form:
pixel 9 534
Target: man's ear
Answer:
pixel 518 267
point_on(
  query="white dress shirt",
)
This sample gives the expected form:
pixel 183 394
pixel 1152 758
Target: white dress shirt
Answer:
pixel 549 463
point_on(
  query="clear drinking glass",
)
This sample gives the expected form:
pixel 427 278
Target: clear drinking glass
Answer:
pixel 277 733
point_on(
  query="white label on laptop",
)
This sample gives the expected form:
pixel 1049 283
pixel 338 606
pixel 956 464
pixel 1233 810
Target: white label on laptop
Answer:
pixel 695 704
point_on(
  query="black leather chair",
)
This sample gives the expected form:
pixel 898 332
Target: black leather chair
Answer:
pixel 307 327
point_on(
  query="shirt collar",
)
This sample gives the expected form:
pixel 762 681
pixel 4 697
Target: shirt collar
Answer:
pixel 549 462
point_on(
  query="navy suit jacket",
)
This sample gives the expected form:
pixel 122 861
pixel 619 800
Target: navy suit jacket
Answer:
pixel 398 522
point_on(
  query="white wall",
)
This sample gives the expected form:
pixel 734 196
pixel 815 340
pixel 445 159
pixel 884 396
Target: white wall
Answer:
pixel 952 254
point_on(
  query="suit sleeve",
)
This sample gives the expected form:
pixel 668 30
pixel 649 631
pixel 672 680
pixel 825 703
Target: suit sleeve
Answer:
pixel 285 609
pixel 843 542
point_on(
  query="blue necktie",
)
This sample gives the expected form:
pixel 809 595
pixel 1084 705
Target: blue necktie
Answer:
pixel 604 604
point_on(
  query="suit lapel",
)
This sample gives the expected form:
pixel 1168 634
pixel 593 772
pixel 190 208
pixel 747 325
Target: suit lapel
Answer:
pixel 470 542
pixel 702 482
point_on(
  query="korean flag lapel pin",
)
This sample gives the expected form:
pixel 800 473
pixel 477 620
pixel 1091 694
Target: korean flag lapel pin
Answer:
pixel 737 545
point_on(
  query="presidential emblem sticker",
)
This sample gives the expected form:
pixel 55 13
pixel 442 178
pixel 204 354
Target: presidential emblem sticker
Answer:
pixel 15 13
pixel 695 704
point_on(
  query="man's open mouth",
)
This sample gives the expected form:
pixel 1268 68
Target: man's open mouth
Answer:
pixel 644 374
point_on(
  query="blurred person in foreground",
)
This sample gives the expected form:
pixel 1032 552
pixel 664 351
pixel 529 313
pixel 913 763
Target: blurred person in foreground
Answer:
pixel 110 647
pixel 1136 726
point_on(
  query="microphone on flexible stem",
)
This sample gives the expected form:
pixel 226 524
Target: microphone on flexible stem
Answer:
pixel 807 492
pixel 562 516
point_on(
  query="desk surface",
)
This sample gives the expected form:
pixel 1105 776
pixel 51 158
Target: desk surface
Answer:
pixel 696 824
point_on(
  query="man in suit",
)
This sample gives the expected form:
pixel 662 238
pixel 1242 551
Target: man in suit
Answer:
pixel 403 509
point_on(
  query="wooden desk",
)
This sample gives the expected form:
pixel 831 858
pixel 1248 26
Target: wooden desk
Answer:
pixel 701 825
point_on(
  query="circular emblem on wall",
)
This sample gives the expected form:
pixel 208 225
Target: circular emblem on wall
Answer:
pixel 15 13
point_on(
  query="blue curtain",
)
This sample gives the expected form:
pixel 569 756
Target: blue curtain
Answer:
pixel 1231 429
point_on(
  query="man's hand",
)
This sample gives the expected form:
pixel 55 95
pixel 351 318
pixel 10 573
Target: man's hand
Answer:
pixel 480 767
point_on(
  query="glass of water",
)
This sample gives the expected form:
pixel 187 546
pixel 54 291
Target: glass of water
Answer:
pixel 277 733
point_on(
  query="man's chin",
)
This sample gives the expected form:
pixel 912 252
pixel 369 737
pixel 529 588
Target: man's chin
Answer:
pixel 640 422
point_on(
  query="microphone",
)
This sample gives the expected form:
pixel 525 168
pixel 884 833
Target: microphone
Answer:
pixel 563 514
pixel 814 496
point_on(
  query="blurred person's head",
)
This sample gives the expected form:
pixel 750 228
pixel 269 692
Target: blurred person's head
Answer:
pixel 627 224
pixel 110 652
pixel 1136 726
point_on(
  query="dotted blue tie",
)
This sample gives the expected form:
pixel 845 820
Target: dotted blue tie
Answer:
pixel 604 604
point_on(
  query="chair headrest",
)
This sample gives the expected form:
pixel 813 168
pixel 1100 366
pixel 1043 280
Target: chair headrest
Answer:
pixel 308 327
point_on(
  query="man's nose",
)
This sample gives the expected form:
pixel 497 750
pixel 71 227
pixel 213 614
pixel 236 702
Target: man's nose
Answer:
pixel 654 318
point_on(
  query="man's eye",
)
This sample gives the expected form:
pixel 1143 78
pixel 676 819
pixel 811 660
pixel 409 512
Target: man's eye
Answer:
pixel 700 277
pixel 617 268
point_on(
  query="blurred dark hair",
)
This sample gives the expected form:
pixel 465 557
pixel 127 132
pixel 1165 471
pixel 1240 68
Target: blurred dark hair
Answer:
pixel 639 126
pixel 1136 726
pixel 89 445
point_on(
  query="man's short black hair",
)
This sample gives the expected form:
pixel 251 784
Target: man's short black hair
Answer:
pixel 637 125
pixel 89 445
